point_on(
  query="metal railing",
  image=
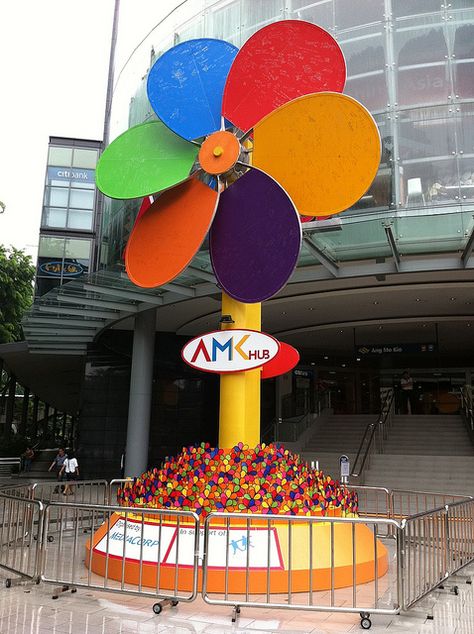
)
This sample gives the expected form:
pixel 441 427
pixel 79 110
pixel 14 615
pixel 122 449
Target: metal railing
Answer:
pixel 374 436
pixel 143 538
pixel 259 575
pixel 7 465
pixel 286 429
pixel 20 535
pixel 467 409
pixel 162 554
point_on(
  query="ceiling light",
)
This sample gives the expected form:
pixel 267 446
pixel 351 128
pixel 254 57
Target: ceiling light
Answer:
pixel 284 312
pixel 358 359
pixel 452 299
pixel 418 299
pixel 380 327
pixel 326 357
pixel 375 303
pixel 343 365
pixel 313 363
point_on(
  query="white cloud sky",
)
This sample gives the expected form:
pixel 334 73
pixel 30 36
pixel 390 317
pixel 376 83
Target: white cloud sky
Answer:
pixel 53 72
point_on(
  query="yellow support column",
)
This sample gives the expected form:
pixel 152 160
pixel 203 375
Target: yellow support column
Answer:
pixel 239 409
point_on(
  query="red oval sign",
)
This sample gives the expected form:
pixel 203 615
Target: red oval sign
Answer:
pixel 285 360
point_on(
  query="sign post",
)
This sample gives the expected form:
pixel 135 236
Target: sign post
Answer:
pixel 345 468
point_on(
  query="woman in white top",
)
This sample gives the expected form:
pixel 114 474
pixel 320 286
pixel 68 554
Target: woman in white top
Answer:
pixel 71 469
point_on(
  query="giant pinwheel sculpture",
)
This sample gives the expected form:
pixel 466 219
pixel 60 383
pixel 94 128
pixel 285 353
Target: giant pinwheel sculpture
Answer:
pixel 278 100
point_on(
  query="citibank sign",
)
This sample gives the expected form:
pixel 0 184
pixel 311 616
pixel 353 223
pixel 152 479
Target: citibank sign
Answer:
pixel 230 350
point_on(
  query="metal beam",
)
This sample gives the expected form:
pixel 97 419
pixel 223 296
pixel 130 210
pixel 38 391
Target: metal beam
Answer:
pixel 180 289
pixel 65 310
pixel 32 332
pixel 393 245
pixel 96 303
pixel 203 275
pixel 466 254
pixel 67 352
pixel 326 261
pixel 154 300
pixel 34 320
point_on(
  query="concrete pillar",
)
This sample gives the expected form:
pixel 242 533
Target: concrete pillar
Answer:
pixel 24 410
pixel 141 382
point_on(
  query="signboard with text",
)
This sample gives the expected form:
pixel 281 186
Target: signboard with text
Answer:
pixel 395 348
pixel 231 350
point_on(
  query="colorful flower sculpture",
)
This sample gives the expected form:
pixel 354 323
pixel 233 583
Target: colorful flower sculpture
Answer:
pixel 268 479
pixel 278 100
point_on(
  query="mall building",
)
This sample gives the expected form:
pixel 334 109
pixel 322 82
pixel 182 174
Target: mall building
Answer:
pixel 386 286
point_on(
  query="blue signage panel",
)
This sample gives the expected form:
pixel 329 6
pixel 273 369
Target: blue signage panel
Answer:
pixel 395 348
pixel 71 174
pixel 56 268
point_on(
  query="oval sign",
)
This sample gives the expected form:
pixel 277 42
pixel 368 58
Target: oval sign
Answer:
pixel 232 350
pixel 286 359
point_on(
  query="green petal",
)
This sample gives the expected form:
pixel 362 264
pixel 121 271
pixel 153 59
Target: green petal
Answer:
pixel 144 160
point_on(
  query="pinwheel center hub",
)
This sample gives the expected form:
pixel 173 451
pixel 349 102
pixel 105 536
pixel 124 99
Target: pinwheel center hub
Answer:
pixel 219 152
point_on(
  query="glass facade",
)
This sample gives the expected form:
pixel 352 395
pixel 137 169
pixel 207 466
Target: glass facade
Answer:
pixel 69 213
pixel 410 62
pixel 61 260
pixel 69 195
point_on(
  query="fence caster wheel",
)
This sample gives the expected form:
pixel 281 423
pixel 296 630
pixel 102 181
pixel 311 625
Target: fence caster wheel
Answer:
pixel 456 590
pixel 366 623
pixel 50 538
pixel 55 596
pixel 8 583
pixel 73 590
pixel 174 603
pixel 157 608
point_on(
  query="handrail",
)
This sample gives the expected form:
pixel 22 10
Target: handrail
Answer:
pixel 272 428
pixel 377 430
pixel 467 410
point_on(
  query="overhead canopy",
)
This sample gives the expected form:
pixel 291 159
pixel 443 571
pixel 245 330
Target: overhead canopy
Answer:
pixel 55 379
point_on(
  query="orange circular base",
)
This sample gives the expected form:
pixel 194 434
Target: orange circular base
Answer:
pixel 365 569
pixel 219 152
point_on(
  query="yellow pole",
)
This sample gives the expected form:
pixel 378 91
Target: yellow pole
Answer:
pixel 239 409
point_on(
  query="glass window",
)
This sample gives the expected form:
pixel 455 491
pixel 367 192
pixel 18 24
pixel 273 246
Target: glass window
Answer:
pixel 465 137
pixel 365 59
pixel 85 158
pixel 51 247
pixel 44 285
pixel 422 60
pixel 320 13
pixel 75 248
pixel 427 152
pixel 60 156
pixel 79 219
pixel 83 198
pixel 54 217
pixel 463 61
pixel 57 196
pixel 403 8
pixel 367 12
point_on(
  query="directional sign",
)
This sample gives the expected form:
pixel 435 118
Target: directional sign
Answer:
pixel 232 350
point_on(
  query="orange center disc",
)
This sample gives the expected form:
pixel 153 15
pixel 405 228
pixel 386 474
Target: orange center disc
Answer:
pixel 219 152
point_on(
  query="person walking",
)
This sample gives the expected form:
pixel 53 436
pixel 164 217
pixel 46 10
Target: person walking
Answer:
pixel 57 465
pixel 71 469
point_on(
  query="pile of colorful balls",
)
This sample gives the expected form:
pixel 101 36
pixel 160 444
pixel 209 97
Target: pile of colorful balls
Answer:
pixel 266 479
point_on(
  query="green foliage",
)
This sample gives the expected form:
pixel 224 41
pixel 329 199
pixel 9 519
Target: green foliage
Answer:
pixel 16 291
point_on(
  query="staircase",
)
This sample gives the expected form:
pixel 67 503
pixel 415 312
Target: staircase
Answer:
pixel 40 465
pixel 425 453
pixel 333 436
pixel 428 453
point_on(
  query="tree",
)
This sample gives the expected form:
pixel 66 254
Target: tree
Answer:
pixel 16 291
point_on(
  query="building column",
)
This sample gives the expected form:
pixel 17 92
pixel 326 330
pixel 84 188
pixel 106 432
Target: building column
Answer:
pixel 25 411
pixel 10 410
pixel 141 383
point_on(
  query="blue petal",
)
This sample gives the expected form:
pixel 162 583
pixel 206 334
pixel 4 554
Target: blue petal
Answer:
pixel 186 84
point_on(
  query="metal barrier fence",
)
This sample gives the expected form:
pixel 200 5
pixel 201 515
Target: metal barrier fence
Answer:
pixel 44 537
pixel 307 544
pixel 20 536
pixel 115 537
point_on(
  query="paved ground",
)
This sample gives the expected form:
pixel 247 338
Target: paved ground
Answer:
pixel 31 609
